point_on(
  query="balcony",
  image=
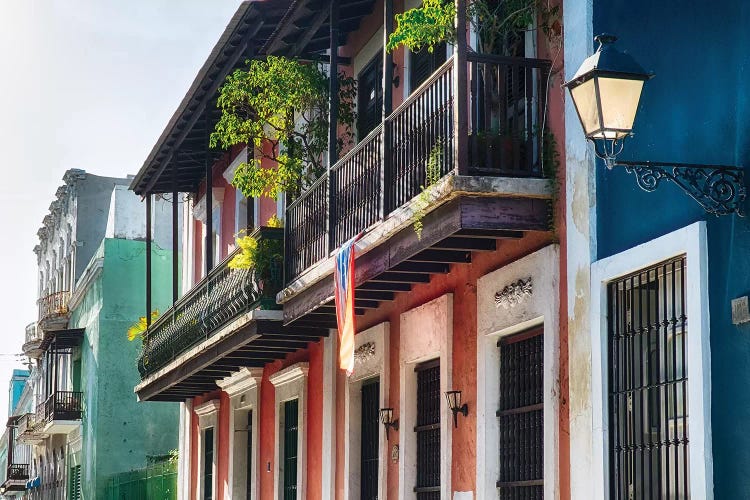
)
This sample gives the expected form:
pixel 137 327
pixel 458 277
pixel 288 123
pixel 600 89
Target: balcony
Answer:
pixel 28 429
pixel 15 480
pixel 33 341
pixel 228 320
pixel 376 189
pixel 53 312
pixel 60 413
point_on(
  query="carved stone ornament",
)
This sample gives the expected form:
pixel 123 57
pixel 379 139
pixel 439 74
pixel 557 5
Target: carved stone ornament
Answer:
pixel 514 294
pixel 364 352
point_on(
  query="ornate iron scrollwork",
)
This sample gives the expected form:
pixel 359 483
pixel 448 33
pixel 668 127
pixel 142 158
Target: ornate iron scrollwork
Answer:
pixel 719 189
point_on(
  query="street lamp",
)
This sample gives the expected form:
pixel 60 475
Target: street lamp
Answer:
pixel 454 403
pixel 386 418
pixel 606 91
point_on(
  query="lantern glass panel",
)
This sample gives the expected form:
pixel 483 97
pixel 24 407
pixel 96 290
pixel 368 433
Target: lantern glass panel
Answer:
pixel 585 100
pixel 619 99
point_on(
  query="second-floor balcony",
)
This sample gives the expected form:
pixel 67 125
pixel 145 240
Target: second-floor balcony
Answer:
pixel 29 429
pixel 60 413
pixel 33 341
pixel 53 311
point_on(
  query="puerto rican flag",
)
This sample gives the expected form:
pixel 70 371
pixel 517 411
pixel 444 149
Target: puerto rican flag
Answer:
pixel 344 296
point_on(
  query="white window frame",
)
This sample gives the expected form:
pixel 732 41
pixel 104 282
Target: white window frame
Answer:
pixel 690 241
pixel 366 368
pixel 417 346
pixel 208 414
pixel 540 307
pixel 243 387
pixel 291 383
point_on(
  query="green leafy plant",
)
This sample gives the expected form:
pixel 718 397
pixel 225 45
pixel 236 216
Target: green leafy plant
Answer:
pixel 432 176
pixel 139 328
pixel 496 22
pixel 259 254
pixel 279 108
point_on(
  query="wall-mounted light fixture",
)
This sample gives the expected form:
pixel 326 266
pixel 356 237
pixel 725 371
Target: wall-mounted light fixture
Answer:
pixel 454 403
pixel 386 418
pixel 606 91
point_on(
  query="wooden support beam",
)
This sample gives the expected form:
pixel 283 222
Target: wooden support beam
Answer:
pixel 422 267
pixel 376 286
pixel 467 244
pixel 373 295
pixel 455 256
pixel 392 277
pixel 148 261
pixel 490 233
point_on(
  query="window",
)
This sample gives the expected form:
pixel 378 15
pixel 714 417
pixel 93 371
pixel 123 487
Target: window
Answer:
pixel 428 431
pixel 291 409
pixel 424 63
pixel 208 463
pixel 370 433
pixel 370 96
pixel 75 483
pixel 521 416
pixel 648 383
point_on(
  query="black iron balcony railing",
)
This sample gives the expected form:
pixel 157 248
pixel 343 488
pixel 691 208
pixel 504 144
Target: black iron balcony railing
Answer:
pixel 26 424
pixel 18 472
pixel 53 305
pixel 506 110
pixel 61 405
pixel 215 301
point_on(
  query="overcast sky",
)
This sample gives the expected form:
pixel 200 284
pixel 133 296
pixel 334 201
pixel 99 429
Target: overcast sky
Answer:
pixel 84 84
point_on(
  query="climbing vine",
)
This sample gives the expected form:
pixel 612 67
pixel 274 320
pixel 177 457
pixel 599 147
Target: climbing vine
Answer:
pixel 279 108
pixel 432 176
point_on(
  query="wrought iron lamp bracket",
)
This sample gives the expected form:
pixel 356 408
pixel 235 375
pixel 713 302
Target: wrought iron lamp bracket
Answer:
pixel 719 189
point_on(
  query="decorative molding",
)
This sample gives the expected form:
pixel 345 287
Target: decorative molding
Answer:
pixel 90 274
pixel 515 293
pixel 208 409
pixel 232 168
pixel 290 374
pixel 364 352
pixel 241 381
pixel 199 209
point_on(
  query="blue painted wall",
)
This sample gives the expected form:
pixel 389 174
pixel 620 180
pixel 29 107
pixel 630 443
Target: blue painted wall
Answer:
pixel 17 383
pixel 696 109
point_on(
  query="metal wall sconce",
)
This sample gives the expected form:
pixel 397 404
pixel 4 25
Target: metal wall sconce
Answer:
pixel 386 418
pixel 606 91
pixel 454 403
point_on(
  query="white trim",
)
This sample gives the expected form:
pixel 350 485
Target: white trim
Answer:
pixel 291 383
pixel 692 242
pixel 426 333
pixel 242 388
pixel 90 274
pixel 199 208
pixel 238 160
pixel 375 366
pixel 208 413
pixel 540 308
pixel 328 455
pixel 183 463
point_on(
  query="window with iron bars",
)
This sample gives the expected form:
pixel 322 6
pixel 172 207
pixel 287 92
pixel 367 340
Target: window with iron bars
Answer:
pixel 370 433
pixel 208 464
pixel 291 411
pixel 428 431
pixel 648 418
pixel 521 416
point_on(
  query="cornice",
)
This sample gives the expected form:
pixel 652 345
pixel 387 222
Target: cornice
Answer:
pixel 241 381
pixel 290 374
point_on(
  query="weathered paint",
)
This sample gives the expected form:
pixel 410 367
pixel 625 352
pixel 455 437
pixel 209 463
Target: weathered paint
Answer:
pixel 118 433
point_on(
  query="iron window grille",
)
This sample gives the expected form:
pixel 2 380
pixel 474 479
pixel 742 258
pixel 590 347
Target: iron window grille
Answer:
pixel 370 96
pixel 370 434
pixel 648 417
pixel 291 411
pixel 428 431
pixel 249 459
pixel 208 464
pixel 521 416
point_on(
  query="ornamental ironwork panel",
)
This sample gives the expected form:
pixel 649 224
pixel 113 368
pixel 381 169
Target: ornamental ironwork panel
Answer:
pixel 219 298
pixel 370 433
pixel 648 413
pixel 291 430
pixel 428 431
pixel 521 417
pixel 62 405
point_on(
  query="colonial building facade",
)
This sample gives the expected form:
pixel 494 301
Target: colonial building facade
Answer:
pixel 77 423
pixel 470 304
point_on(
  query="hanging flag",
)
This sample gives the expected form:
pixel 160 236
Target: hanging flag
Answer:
pixel 344 297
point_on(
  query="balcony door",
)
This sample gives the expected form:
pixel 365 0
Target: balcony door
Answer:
pixel 370 96
pixel 424 63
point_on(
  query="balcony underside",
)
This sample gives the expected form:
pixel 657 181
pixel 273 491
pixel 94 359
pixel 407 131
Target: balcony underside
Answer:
pixel 252 340
pixel 60 426
pixel 63 339
pixel 468 215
